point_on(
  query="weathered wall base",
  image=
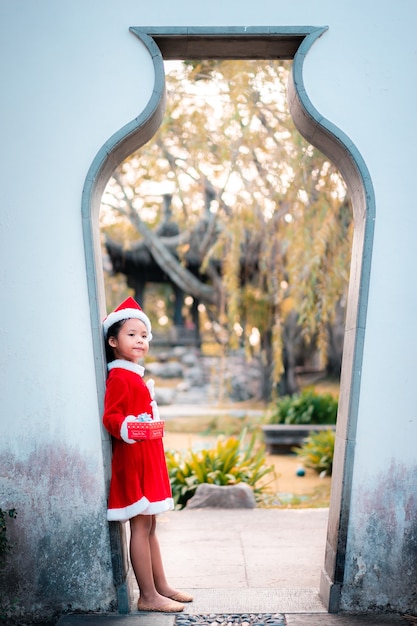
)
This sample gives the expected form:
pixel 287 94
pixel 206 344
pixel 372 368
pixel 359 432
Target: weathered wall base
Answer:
pixel 381 561
pixel 59 561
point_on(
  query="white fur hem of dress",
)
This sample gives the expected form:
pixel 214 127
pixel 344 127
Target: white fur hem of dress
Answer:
pixel 142 507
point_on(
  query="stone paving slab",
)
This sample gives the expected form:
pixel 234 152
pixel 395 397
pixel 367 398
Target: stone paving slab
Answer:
pixel 254 600
pixel 245 548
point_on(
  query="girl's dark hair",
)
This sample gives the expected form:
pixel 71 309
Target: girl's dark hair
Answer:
pixel 113 331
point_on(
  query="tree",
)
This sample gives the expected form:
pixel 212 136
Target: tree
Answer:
pixel 261 212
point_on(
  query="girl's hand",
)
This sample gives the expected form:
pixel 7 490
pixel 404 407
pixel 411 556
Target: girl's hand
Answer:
pixel 123 428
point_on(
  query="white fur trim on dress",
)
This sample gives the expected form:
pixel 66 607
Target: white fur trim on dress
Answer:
pixel 155 411
pixel 141 507
pixel 126 365
pixel 123 428
pixel 151 386
pixel 127 314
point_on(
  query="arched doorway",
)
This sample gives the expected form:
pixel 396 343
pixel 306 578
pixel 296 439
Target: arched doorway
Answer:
pixel 254 43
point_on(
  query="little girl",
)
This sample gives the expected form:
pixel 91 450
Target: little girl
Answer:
pixel 139 486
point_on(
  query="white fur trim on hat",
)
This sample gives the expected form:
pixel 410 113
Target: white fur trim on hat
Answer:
pixel 127 314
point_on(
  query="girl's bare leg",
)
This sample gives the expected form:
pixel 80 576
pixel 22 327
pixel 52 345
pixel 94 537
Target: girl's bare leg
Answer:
pixel 161 583
pixel 142 527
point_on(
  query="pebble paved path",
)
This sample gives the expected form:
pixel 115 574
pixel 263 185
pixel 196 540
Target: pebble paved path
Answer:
pixel 245 619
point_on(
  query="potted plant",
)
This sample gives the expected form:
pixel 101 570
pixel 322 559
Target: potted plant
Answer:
pixel 292 418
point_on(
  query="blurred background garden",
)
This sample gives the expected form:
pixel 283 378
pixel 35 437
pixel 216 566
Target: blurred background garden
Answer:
pixel 234 234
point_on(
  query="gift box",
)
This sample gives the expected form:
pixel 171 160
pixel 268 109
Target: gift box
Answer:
pixel 145 430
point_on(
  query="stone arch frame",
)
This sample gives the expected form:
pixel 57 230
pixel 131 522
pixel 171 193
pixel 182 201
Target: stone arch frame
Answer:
pixel 264 43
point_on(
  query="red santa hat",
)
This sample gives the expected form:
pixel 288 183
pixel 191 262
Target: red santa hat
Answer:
pixel 125 311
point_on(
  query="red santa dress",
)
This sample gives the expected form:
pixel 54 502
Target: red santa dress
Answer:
pixel 139 482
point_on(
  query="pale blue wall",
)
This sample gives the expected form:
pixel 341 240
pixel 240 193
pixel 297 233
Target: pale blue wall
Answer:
pixel 71 76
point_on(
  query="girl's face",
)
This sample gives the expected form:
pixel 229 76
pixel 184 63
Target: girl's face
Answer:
pixel 132 343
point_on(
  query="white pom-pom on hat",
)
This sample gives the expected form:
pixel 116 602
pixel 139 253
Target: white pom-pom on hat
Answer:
pixel 128 309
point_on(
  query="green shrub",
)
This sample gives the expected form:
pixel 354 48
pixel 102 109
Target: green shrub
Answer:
pixel 307 407
pixel 228 462
pixel 317 451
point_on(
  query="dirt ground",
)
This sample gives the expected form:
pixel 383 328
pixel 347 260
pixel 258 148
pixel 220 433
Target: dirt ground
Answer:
pixel 294 491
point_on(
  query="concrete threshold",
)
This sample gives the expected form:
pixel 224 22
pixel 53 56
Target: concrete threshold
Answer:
pixel 291 619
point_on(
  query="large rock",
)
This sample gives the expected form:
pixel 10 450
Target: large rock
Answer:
pixel 238 496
